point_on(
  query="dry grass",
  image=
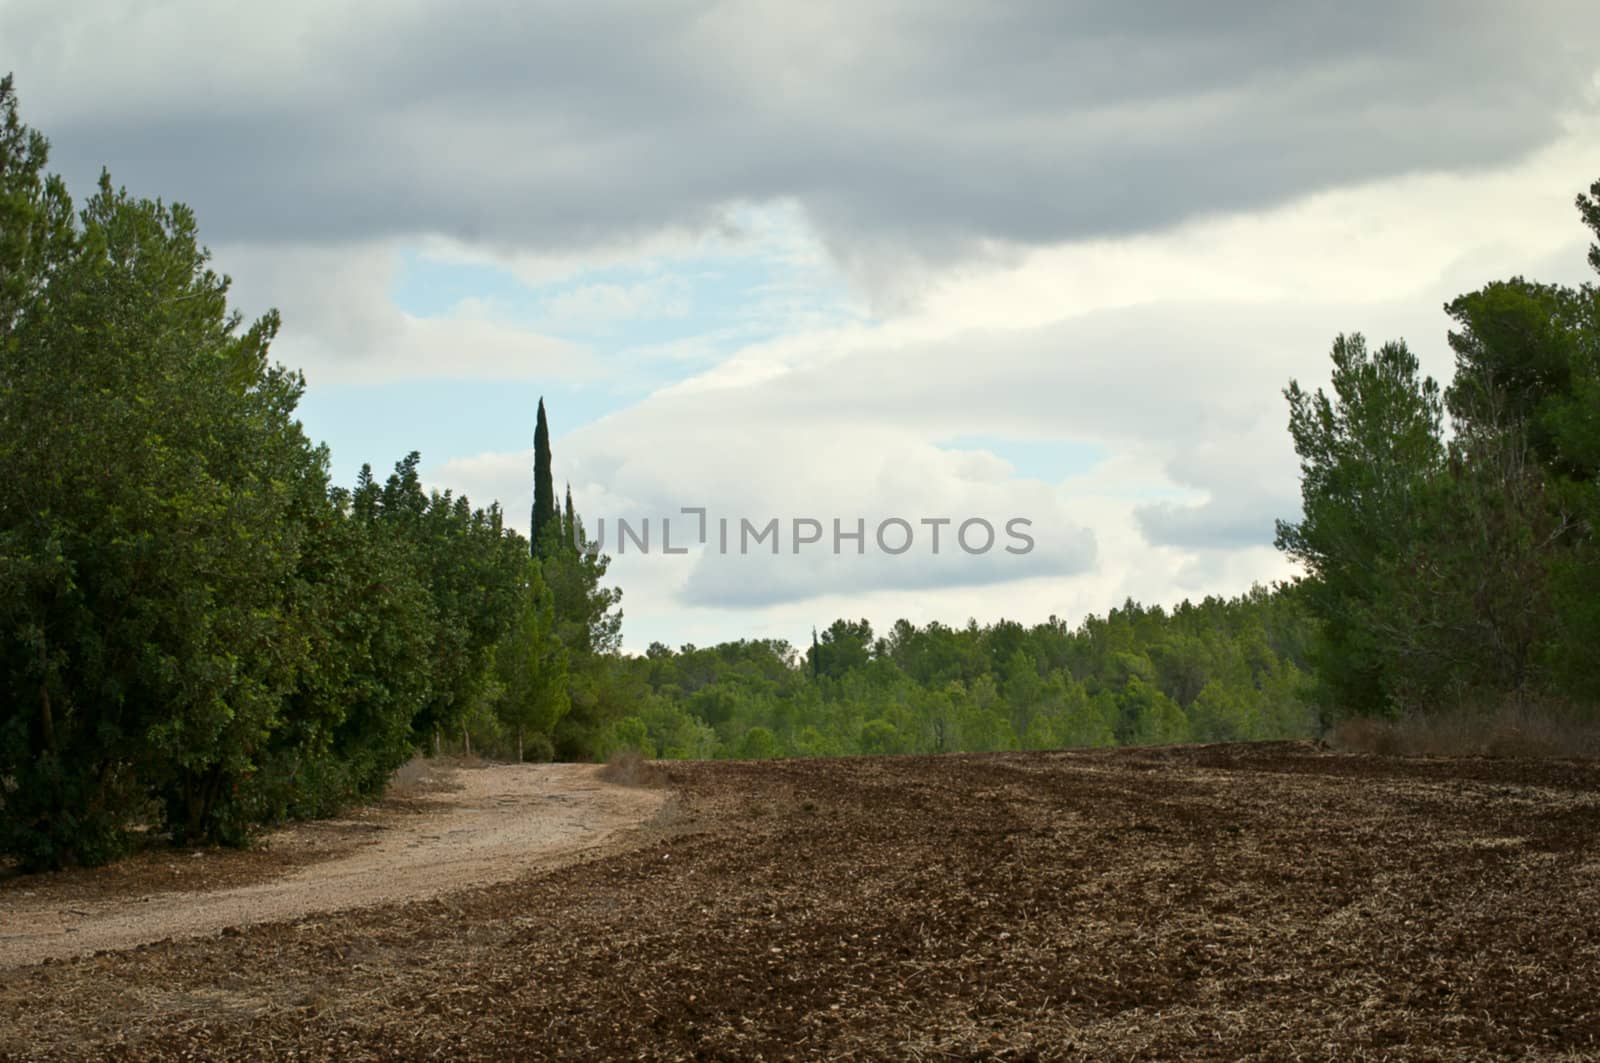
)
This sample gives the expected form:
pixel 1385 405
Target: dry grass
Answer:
pixel 426 775
pixel 1508 731
pixel 627 767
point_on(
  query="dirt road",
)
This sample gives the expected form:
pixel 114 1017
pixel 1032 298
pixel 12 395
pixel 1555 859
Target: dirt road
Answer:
pixel 483 826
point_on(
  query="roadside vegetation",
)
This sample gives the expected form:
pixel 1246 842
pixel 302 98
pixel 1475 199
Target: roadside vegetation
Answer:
pixel 202 634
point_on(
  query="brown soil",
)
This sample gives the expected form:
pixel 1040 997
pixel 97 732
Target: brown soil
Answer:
pixel 1215 902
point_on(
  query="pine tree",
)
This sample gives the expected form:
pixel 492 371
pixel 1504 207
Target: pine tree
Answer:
pixel 569 523
pixel 544 488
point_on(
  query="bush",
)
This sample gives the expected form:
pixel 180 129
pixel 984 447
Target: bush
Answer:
pixel 1511 730
pixel 628 767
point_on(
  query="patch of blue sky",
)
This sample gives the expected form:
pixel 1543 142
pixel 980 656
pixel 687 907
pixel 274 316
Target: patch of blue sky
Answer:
pixel 424 286
pixel 651 321
pixel 657 319
pixel 380 423
pixel 1046 460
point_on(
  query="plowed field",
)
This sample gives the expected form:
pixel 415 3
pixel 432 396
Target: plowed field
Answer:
pixel 1267 901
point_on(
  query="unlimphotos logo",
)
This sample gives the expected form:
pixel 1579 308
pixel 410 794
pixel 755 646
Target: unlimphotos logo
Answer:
pixel 741 535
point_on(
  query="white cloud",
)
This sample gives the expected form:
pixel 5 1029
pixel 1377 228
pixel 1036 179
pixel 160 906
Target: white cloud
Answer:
pixel 341 325
pixel 1178 380
pixel 593 307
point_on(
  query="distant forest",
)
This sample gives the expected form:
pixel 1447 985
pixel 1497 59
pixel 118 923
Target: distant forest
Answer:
pixel 203 635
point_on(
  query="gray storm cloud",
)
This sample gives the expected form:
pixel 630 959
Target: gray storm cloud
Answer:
pixel 915 129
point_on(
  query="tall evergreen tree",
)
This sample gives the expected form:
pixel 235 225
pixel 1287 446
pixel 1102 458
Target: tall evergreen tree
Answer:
pixel 569 523
pixel 1367 454
pixel 544 488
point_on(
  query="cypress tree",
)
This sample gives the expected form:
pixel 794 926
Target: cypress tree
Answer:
pixel 544 488
pixel 569 523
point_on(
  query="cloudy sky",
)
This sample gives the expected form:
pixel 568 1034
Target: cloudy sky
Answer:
pixel 844 261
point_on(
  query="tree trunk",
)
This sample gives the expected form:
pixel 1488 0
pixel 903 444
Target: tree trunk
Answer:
pixel 519 743
pixel 466 740
pixel 47 720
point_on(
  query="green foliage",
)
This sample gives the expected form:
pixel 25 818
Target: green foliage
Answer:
pixel 629 734
pixel 36 232
pixel 879 737
pixel 200 635
pixel 150 530
pixel 844 646
pixel 368 619
pixel 1150 716
pixel 1449 575
pixel 1225 714
pixel 759 743
pixel 1216 670
pixel 544 527
pixel 1366 456
pixel 531 665
pixel 588 623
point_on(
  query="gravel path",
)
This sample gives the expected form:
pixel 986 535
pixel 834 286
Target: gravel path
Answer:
pixel 502 821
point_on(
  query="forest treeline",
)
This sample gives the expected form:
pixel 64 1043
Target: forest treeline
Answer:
pixel 203 634
pixel 1219 671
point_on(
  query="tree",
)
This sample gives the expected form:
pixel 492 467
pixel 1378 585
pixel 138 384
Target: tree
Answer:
pixel 531 665
pixel 1520 353
pixel 1460 575
pixel 37 237
pixel 759 743
pixel 1083 723
pixel 844 646
pixel 1069 719
pixel 544 525
pixel 151 522
pixel 368 619
pixel 879 737
pixel 1154 718
pixel 569 521
pixel 1366 456
pixel 1526 405
pixel 1224 713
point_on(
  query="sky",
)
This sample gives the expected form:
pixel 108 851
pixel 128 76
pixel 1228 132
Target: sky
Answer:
pixel 881 264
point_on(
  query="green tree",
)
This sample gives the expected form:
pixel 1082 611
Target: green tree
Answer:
pixel 1366 457
pixel 368 620
pixel 1526 405
pixel 37 237
pixel 880 737
pixel 1068 719
pixel 531 666
pixel 1083 722
pixel 589 624
pixel 200 635
pixel 1224 713
pixel 474 571
pixel 544 524
pixel 150 531
pixel 1155 718
pixel 846 645
pixel 759 743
